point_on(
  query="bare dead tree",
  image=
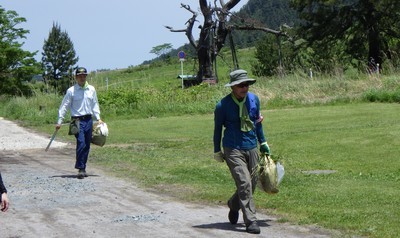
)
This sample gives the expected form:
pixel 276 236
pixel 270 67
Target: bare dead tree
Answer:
pixel 213 33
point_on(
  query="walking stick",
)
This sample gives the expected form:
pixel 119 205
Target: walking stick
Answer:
pixel 51 139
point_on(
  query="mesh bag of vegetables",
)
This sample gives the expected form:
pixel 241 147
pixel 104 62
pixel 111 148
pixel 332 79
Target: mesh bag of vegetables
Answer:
pixel 270 174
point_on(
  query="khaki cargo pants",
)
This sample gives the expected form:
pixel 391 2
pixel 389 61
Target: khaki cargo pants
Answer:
pixel 243 164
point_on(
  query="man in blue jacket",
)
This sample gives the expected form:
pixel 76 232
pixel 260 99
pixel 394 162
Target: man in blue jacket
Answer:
pixel 239 114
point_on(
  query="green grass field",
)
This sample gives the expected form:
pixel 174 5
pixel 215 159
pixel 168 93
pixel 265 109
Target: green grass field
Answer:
pixel 357 142
pixel 163 141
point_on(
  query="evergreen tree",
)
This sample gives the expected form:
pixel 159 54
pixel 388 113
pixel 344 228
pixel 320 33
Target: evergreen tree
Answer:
pixel 16 65
pixel 366 30
pixel 58 59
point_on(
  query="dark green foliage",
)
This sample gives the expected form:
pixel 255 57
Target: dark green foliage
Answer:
pixel 16 65
pixel 353 31
pixel 267 13
pixel 275 56
pixel 119 101
pixel 333 36
pixel 58 59
pixel 376 95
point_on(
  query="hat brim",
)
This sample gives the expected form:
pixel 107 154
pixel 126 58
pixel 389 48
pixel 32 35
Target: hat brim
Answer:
pixel 251 81
pixel 81 74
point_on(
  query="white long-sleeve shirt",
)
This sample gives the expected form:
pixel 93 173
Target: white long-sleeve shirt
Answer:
pixel 81 102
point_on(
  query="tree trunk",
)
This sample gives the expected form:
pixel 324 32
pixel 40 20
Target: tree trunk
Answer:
pixel 374 39
pixel 204 47
pixel 213 34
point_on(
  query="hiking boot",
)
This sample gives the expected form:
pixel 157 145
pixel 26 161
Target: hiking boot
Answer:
pixel 81 174
pixel 233 216
pixel 253 228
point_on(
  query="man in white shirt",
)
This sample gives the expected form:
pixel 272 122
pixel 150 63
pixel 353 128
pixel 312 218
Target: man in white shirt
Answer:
pixel 81 100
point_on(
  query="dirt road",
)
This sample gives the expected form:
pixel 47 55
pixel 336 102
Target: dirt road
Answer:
pixel 47 200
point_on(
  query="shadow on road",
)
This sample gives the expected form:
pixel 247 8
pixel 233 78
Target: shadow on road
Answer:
pixel 74 176
pixel 229 227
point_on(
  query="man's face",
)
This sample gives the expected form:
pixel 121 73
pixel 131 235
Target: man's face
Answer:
pixel 81 79
pixel 240 90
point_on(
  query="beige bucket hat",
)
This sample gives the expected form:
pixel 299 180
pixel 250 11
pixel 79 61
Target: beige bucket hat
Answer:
pixel 239 76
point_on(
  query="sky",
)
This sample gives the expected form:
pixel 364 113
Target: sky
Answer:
pixel 107 34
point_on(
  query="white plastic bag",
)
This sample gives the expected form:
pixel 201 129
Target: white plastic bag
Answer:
pixel 280 172
pixel 103 129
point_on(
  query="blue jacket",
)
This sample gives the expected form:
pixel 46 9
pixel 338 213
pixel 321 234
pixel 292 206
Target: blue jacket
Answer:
pixel 226 115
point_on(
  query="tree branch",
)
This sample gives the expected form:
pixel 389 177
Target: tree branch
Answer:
pixel 259 28
pixel 265 29
pixel 229 5
pixel 189 29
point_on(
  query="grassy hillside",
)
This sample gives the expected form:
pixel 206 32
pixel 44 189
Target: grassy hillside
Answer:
pixel 154 90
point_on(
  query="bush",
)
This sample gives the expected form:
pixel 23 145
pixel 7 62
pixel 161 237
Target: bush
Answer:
pixel 119 101
pixel 374 95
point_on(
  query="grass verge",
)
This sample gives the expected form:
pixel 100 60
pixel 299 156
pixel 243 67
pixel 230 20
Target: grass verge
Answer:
pixel 358 143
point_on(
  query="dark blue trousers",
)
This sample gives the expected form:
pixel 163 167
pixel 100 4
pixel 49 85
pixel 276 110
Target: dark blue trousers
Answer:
pixel 83 140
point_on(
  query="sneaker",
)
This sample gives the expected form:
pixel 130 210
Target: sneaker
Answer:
pixel 253 228
pixel 81 174
pixel 233 216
